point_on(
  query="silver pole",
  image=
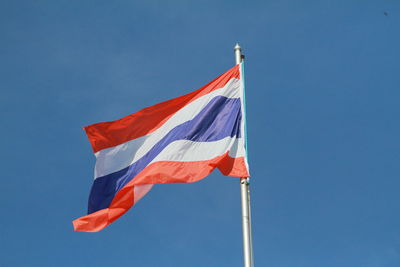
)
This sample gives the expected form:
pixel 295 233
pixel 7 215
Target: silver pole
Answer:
pixel 245 196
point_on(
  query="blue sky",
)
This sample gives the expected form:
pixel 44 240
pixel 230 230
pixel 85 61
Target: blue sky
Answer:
pixel 323 90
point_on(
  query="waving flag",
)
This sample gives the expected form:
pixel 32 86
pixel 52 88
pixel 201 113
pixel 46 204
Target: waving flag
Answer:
pixel 181 140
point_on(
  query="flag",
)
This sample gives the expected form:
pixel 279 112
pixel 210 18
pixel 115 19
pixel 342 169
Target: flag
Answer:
pixel 181 140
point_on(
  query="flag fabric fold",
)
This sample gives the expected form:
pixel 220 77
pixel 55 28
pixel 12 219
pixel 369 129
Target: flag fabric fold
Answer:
pixel 181 140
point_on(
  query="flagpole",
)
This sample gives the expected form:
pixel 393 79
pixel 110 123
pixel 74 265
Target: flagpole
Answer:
pixel 245 195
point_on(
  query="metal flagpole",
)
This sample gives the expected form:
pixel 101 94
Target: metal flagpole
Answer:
pixel 245 196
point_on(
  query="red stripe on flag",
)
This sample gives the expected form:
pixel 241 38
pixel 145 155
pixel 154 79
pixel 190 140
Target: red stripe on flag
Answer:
pixel 159 173
pixel 108 134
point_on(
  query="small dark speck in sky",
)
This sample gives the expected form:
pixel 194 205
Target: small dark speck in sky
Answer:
pixel 385 13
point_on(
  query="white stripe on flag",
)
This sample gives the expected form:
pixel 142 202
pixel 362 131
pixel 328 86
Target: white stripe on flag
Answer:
pixel 185 150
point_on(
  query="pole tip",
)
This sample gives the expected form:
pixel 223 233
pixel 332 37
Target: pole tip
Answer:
pixel 237 47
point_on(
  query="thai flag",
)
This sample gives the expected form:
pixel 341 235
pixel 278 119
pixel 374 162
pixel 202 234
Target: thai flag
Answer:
pixel 181 140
